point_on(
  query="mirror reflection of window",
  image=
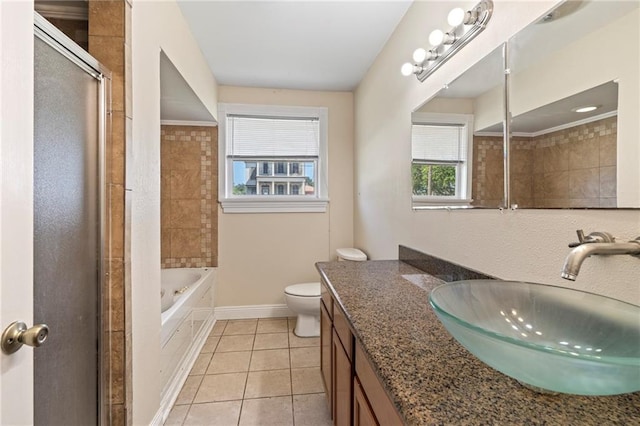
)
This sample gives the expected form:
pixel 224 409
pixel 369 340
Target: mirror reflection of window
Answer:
pixel 478 94
pixel 439 150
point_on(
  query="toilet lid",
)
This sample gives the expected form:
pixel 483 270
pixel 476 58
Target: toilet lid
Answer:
pixel 304 290
pixel 351 254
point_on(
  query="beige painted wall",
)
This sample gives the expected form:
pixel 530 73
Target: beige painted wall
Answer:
pixel 155 26
pixel 523 244
pixel 260 254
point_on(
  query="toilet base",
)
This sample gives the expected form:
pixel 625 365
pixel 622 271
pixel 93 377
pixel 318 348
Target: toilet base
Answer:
pixel 307 326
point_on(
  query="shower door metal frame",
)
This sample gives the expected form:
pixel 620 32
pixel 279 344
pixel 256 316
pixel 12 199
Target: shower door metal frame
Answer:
pixel 55 38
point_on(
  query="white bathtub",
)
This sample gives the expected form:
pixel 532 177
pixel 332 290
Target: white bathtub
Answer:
pixel 183 290
pixel 187 317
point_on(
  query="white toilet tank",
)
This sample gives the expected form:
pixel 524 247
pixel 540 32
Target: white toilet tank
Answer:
pixel 352 254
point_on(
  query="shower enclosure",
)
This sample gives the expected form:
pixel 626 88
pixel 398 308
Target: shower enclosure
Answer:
pixel 70 120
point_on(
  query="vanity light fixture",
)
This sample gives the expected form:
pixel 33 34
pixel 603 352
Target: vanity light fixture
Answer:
pixel 465 25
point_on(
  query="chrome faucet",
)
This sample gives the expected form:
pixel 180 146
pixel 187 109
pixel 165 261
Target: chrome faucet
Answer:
pixel 595 243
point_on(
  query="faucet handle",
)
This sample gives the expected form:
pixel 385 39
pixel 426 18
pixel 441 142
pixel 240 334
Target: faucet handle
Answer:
pixel 594 237
pixel 581 240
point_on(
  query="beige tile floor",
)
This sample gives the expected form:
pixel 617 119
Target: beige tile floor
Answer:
pixel 254 372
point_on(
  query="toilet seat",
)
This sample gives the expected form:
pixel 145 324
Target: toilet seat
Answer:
pixel 303 290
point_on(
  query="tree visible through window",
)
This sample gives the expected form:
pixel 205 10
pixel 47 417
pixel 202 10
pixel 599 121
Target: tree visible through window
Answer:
pixel 439 147
pixel 433 179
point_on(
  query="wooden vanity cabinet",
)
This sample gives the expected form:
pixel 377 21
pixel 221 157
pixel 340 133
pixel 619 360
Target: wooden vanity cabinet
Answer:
pixel 362 412
pixel 384 411
pixel 354 393
pixel 326 350
pixel 342 383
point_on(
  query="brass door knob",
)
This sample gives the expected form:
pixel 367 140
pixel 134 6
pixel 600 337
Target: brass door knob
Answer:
pixel 17 334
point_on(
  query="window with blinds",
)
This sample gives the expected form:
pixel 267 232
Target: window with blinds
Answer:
pixel 274 157
pixel 439 151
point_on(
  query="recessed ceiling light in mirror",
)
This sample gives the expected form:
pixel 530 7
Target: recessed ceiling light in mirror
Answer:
pixel 586 109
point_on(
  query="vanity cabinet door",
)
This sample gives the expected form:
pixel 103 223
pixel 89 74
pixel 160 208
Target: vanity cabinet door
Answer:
pixel 326 298
pixel 383 409
pixel 342 384
pixel 362 413
pixel 325 354
pixel 341 326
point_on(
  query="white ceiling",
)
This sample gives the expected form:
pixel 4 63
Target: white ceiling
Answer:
pixel 308 45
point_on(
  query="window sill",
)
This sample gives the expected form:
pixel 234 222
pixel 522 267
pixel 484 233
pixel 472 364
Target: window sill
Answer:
pixel 286 205
pixel 440 203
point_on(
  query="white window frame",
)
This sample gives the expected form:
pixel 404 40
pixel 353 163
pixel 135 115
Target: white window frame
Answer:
pixel 464 185
pixel 230 203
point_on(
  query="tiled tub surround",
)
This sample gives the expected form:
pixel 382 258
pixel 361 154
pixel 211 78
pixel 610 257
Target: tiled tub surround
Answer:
pixel 430 378
pixel 109 41
pixel 574 167
pixel 189 187
pixel 488 171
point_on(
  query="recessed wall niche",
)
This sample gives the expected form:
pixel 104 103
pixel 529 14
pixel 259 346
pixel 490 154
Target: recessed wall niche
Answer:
pixel 189 217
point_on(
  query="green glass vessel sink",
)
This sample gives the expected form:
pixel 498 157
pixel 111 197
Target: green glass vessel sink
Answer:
pixel 550 338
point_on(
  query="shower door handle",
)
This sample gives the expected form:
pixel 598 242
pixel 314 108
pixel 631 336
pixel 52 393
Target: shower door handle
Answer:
pixel 17 334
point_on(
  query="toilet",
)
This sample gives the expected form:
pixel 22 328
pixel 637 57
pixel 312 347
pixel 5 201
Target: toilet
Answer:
pixel 304 299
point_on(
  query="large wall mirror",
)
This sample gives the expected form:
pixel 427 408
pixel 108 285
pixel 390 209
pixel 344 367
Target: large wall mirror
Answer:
pixel 473 174
pixel 574 99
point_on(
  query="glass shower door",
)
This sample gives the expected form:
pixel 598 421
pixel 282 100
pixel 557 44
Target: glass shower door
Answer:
pixel 66 239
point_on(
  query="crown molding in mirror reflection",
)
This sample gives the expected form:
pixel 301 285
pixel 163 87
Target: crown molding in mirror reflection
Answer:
pixel 560 157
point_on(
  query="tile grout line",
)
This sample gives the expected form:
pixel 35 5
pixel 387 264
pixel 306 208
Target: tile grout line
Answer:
pixel 253 349
pixel 246 380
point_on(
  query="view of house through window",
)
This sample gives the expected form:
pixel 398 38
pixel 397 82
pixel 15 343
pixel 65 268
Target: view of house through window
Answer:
pixel 286 177
pixel 275 158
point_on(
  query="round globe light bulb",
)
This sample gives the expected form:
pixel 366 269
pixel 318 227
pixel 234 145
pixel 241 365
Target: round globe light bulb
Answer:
pixel 407 69
pixel 456 16
pixel 436 38
pixel 419 55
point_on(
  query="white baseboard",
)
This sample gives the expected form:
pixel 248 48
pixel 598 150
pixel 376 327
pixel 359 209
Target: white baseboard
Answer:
pixel 182 372
pixel 252 311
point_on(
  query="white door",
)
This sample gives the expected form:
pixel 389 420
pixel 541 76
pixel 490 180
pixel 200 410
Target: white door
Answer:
pixel 16 204
pixel 49 254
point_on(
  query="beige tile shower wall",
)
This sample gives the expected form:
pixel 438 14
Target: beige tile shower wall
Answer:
pixel 109 42
pixel 189 174
pixel 575 167
pixel 488 171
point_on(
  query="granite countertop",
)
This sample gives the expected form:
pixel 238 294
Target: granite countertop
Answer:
pixel 430 377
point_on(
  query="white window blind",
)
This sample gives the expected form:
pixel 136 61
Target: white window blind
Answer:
pixel 273 158
pixel 272 137
pixel 438 143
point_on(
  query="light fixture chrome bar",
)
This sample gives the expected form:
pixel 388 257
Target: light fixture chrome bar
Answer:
pixel 483 12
